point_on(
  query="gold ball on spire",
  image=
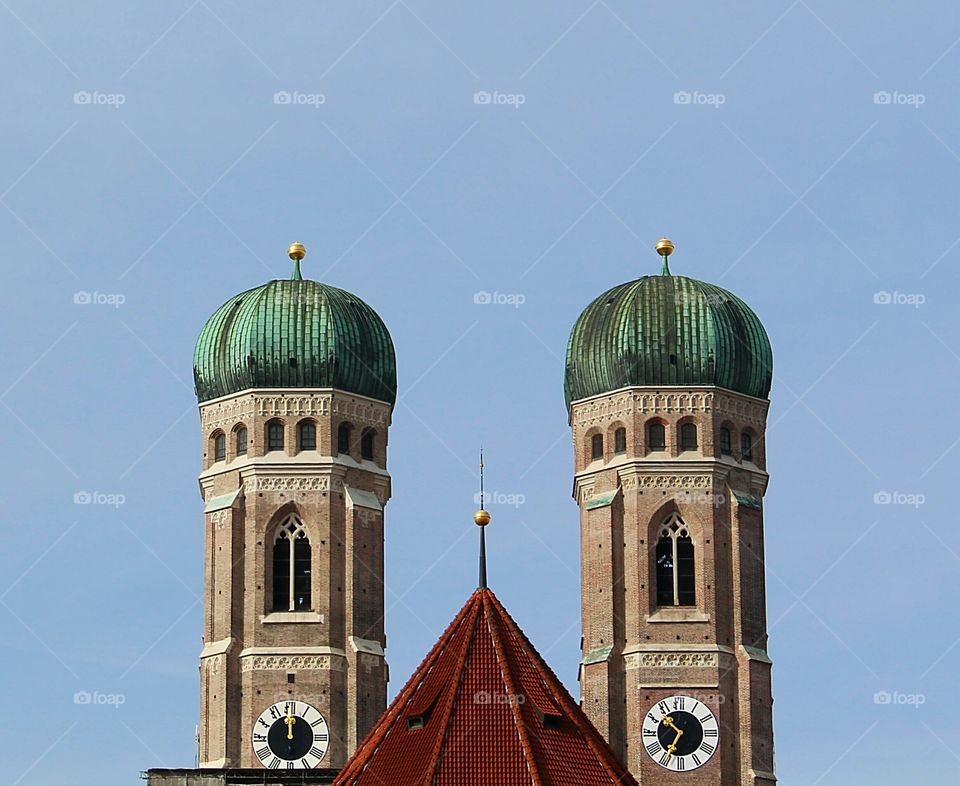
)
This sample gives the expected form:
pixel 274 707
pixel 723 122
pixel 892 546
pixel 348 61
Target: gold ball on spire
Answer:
pixel 296 251
pixel 481 518
pixel 664 246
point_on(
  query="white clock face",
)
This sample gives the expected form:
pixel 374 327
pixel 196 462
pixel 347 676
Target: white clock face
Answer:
pixel 680 733
pixel 290 735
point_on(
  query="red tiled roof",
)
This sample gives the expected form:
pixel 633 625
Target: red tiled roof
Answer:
pixel 483 709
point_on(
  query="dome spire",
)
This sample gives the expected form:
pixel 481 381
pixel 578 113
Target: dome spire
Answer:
pixel 296 252
pixel 665 249
pixel 481 518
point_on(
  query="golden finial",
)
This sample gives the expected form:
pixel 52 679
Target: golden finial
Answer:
pixel 481 518
pixel 664 246
pixel 296 251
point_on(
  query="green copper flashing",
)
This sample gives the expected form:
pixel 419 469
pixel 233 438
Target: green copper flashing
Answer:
pixel 665 268
pixel 297 275
pixel 295 333
pixel 667 330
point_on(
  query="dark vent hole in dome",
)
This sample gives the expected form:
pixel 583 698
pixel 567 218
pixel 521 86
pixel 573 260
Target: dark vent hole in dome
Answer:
pixel 293 362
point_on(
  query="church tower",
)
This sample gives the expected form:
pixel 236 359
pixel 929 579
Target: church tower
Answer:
pixel 667 380
pixel 296 382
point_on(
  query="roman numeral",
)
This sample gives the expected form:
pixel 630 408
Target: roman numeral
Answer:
pixel 653 748
pixel 290 765
pixel 707 748
pixel 275 713
pixel 665 758
pixel 315 751
pixel 696 759
pixel 305 764
pixel 680 764
pixel 263 723
pixel 664 708
pixel 259 737
pixel 694 707
pixel 317 722
pixel 654 719
pixel 678 703
pixel 264 753
pixel 704 719
pixel 275 764
pixel 321 737
pixel 709 732
pixel 649 733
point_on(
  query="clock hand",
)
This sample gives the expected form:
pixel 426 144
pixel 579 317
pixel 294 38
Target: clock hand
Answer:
pixel 290 720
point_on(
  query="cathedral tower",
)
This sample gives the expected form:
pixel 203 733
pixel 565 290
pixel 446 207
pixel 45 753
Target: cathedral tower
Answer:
pixel 667 381
pixel 296 382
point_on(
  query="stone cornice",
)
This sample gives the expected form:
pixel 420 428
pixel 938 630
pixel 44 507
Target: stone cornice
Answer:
pixel 227 411
pixel 623 404
pixel 701 474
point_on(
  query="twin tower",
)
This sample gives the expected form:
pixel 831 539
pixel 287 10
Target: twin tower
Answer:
pixel 667 381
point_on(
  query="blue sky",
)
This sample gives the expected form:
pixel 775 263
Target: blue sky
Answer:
pixel 801 154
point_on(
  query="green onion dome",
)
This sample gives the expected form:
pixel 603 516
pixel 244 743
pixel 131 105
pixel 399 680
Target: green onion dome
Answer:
pixel 295 334
pixel 667 330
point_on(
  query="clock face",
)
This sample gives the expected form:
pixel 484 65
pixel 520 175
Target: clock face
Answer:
pixel 680 733
pixel 290 735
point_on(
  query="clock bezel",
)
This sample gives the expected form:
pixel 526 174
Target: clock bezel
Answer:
pixel 304 712
pixel 650 738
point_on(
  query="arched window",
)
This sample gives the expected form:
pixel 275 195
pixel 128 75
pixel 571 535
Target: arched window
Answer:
pixel 219 446
pixel 620 440
pixel 676 580
pixel 291 567
pixel 596 446
pixel 343 438
pixel 366 445
pixel 307 435
pixel 726 448
pixel 274 435
pixel 688 436
pixel 656 436
pixel 746 446
pixel 242 441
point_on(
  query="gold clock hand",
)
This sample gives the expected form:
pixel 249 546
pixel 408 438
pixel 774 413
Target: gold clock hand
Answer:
pixel 290 720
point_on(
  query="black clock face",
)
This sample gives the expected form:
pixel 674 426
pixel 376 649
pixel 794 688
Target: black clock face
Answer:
pixel 290 735
pixel 680 733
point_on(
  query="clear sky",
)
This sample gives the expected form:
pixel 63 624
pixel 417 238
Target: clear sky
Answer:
pixel 160 157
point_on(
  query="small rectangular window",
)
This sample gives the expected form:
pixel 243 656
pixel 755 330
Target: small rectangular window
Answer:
pixel 656 437
pixel 620 440
pixel 242 442
pixel 596 446
pixel 746 447
pixel 665 572
pixel 220 447
pixel 725 446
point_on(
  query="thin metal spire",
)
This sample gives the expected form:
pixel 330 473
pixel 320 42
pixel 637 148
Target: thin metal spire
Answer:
pixel 482 518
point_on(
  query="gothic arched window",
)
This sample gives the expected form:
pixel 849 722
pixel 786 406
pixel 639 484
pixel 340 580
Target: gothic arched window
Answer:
pixel 688 436
pixel 242 441
pixel 291 567
pixel 656 436
pixel 746 446
pixel 366 445
pixel 275 435
pixel 726 446
pixel 596 446
pixel 620 440
pixel 676 579
pixel 219 446
pixel 343 438
pixel 307 435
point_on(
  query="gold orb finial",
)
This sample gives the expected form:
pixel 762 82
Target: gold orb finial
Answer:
pixel 664 246
pixel 296 251
pixel 481 518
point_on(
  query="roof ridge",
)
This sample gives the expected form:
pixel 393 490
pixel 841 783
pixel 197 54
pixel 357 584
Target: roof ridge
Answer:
pixel 454 693
pixel 382 727
pixel 490 599
pixel 590 734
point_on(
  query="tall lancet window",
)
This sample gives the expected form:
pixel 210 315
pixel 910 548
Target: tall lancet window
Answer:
pixel 676 579
pixel 291 567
